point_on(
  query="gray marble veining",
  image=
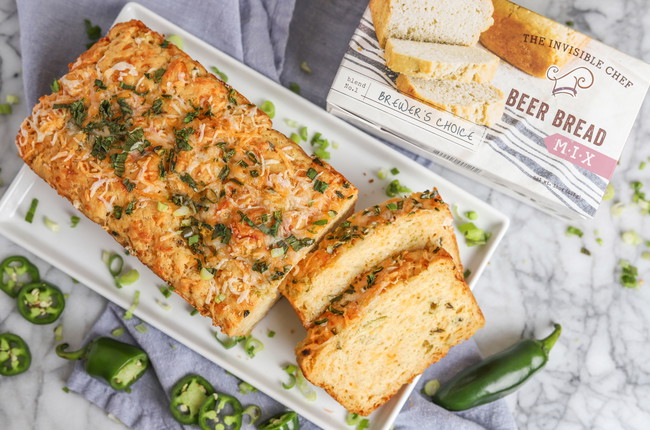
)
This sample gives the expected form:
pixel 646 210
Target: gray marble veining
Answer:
pixel 599 373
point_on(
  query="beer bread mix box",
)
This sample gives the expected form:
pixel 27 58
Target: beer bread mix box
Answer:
pixel 495 91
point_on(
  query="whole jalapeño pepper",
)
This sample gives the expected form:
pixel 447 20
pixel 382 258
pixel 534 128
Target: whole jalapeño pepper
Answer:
pixel 496 376
pixel 117 363
pixel 13 270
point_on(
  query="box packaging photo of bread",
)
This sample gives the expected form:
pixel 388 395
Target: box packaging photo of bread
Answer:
pixel 495 91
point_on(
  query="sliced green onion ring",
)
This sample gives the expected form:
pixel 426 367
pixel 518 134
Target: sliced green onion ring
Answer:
pixel 430 387
pixel 252 346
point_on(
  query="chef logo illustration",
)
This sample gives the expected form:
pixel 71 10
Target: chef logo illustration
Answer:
pixel 570 82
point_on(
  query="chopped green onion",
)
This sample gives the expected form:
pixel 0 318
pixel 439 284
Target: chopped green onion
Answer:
pixel 176 40
pixel 166 290
pixel 305 67
pixel 58 333
pixel 472 215
pixel 141 328
pixel 182 211
pixel 5 109
pixel 294 87
pixel 277 252
pixel 136 301
pixel 617 209
pixel 645 255
pixel 254 412
pixel 609 192
pixel 206 274
pixel 65 389
pixel 12 99
pixel 573 231
pixel 382 173
pixel 268 108
pixel 194 312
pixel 467 273
pixel 164 305
pixel 629 274
pixel 585 251
pixel 295 137
pixel 395 188
pixel 320 222
pixel 335 145
pixel 246 388
pixel 364 424
pixel 474 236
pixel 128 278
pixel 642 165
pixel 55 87
pixel 631 238
pixel 304 386
pixel 599 241
pixel 229 342
pixel 290 369
pixel 252 346
pixel 110 260
pixel 32 210
pixel 394 171
pixel 352 419
pixel 52 225
pixel 291 123
pixel 74 220
pixel 219 73
pixel 162 207
pixel 290 384
pixel 270 333
pixel 118 332
pixel 304 133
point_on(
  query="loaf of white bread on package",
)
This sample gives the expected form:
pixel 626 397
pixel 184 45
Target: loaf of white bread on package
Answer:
pixel 383 297
pixel 184 172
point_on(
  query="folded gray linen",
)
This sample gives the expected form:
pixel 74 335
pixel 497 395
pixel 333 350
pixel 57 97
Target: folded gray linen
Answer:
pixel 255 32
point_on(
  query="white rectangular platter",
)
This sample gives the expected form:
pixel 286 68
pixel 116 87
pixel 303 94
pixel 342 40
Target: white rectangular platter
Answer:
pixel 78 251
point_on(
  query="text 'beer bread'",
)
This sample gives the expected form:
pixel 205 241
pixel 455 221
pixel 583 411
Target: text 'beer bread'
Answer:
pixel 184 172
pixel 393 321
pixel 362 241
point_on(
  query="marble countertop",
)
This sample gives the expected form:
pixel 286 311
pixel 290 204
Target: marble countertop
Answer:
pixel 599 373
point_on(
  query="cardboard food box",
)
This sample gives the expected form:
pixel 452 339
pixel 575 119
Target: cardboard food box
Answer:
pixel 530 106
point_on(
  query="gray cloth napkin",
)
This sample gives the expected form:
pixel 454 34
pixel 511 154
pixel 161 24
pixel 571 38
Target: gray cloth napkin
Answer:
pixel 255 32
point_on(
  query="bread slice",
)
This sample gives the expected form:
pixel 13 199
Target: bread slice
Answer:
pixel 396 320
pixel 513 22
pixel 184 172
pixel 439 61
pixel 457 22
pixel 476 102
pixel 363 240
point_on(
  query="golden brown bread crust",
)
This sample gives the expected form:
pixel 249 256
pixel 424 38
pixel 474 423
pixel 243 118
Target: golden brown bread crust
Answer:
pixel 390 325
pixel 506 38
pixel 397 224
pixel 184 172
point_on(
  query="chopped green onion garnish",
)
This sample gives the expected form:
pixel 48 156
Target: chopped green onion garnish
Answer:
pixel 136 301
pixel 268 108
pixel 58 333
pixel 194 312
pixel 599 241
pixel 128 278
pixel 32 210
pixel 304 386
pixel 617 209
pixel 585 251
pixel 164 305
pixel 252 346
pixel 141 328
pixel 5 109
pixel 645 255
pixel 206 274
pixel 573 231
pixel 290 369
pixel 270 333
pixel 65 389
pixel 55 87
pixel 246 388
pixel 12 99
pixel 294 87
pixel 291 123
pixel 176 40
pixel 631 238
pixel 277 252
pixel 471 215
pixel 290 384
pixel 118 332
pixel 467 273
pixel 182 211
pixel 609 192
pixel 474 236
pixel 394 171
pixel 395 188
pixel 304 133
pixel 162 207
pixel 382 173
pixel 254 412
pixel 229 342
pixel 219 73
pixel 52 225
pixel 642 165
pixel 114 262
pixel 74 220
pixel 295 137
pixel 320 222
pixel 628 274
pixel 166 290
pixel 353 419
pixel 305 67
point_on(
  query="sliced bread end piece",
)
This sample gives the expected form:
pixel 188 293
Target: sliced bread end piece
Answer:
pixel 368 345
pixel 476 102
pixel 440 61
